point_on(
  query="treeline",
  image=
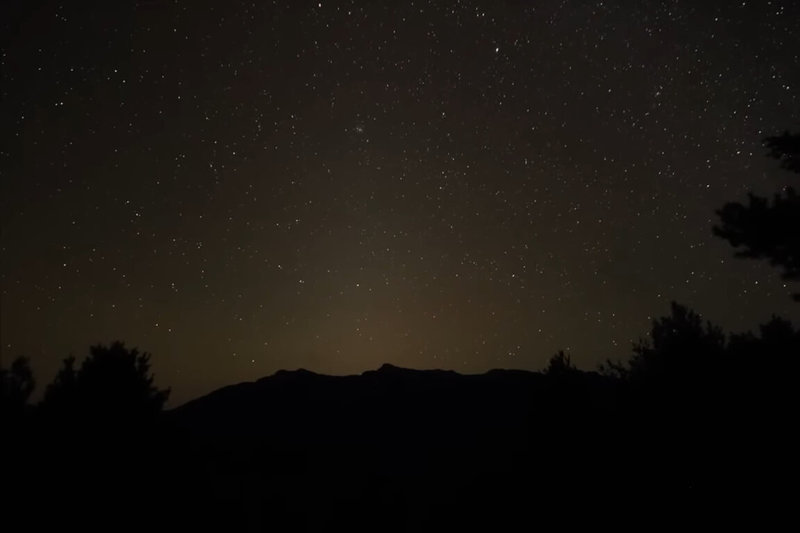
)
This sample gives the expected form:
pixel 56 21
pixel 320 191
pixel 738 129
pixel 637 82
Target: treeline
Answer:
pixel 113 385
pixel 684 357
pixel 693 418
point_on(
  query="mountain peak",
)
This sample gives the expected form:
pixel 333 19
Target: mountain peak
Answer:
pixel 300 372
pixel 388 367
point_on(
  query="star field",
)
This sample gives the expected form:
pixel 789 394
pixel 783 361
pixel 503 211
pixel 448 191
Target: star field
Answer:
pixel 239 187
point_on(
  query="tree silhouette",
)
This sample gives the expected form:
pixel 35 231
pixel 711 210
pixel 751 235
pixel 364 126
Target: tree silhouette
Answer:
pixel 681 349
pixel 99 443
pixel 770 359
pixel 16 386
pixel 764 230
pixel 560 364
pixel 114 383
pixel 786 148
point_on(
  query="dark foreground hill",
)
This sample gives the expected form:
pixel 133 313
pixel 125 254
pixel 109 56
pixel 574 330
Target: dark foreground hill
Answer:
pixel 405 450
pixel 399 449
pixel 389 407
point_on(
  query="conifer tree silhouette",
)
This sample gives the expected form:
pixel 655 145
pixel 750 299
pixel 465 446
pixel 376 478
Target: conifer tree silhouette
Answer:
pixel 764 230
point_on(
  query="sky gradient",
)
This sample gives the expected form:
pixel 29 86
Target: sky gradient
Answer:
pixel 240 187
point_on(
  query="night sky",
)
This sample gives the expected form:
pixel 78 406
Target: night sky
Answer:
pixel 240 187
